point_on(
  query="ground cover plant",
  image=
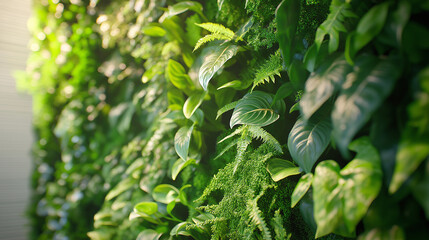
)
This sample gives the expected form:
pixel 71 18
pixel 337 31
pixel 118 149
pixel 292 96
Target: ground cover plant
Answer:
pixel 293 119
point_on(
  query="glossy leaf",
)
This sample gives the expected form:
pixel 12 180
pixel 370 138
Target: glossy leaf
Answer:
pixel 165 193
pixel 177 75
pixel 279 169
pixel 342 197
pixel 368 28
pixel 148 234
pixel 287 17
pixel 213 61
pixel 154 31
pixel 179 165
pixel 323 84
pixel 182 140
pixel 308 140
pixel 182 7
pixel 180 229
pixel 236 84
pixel 362 93
pixel 301 188
pixel 254 109
pixel 192 103
pixel 147 208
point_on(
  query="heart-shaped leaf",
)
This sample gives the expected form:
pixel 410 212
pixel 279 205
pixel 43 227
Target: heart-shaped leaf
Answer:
pixel 254 109
pixel 342 197
pixel 307 140
pixel 322 84
pixel 182 140
pixel 179 165
pixel 214 60
pixel 280 168
pixel 165 193
pixel 301 188
pixel 147 208
pixel 192 103
pixel 362 93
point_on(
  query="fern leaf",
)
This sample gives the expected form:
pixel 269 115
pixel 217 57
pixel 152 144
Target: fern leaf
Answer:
pixel 217 28
pixel 226 108
pixel 256 218
pixel 259 133
pixel 226 148
pixel 268 70
pixel 333 25
pixel 241 149
pixel 237 131
pixel 277 224
pixel 209 38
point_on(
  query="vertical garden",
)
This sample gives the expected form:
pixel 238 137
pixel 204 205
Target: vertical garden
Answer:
pixel 227 119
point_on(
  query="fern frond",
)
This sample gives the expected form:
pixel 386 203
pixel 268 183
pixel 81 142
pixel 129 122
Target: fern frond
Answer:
pixel 334 24
pixel 217 28
pixel 236 132
pixel 225 149
pixel 245 140
pixel 209 38
pixel 226 108
pixel 268 70
pixel 256 218
pixel 277 224
pixel 259 133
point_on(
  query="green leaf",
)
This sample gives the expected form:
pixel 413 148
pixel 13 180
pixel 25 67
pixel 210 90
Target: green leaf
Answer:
pixel 180 229
pixel 210 38
pixel 308 140
pixel 334 24
pixel 301 188
pixel 297 74
pixel 413 149
pixel 368 28
pixel 342 197
pixel 153 31
pixel 219 4
pixel 236 84
pixel 287 17
pixel 165 193
pixel 147 208
pixel 314 56
pixel 121 187
pixel 394 233
pixel 182 140
pixel 217 29
pixel 182 7
pixel 177 75
pixel 254 109
pixel 294 108
pixel 179 165
pixel 284 91
pixel 226 108
pixel 363 92
pixel 421 190
pixel 323 84
pixel 149 234
pixel 279 169
pixel 213 61
pixel 198 117
pixel 192 103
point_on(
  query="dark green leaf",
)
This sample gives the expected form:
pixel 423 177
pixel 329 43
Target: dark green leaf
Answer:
pixel 182 140
pixel 254 109
pixel 284 91
pixel 368 28
pixel 213 61
pixel 287 17
pixel 362 93
pixel 421 190
pixel 297 74
pixel 279 169
pixel 308 140
pixel 342 197
pixel 394 233
pixel 301 188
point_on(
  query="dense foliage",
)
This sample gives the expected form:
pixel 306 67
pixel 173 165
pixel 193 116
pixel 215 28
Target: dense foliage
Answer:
pixel 293 119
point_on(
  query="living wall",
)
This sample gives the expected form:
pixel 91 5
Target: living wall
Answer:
pixel 293 119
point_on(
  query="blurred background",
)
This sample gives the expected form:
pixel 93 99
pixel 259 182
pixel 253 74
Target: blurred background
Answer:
pixel 15 121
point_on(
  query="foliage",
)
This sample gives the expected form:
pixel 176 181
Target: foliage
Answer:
pixel 130 98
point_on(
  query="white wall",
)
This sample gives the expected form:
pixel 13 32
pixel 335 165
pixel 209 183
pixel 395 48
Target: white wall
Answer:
pixel 15 121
